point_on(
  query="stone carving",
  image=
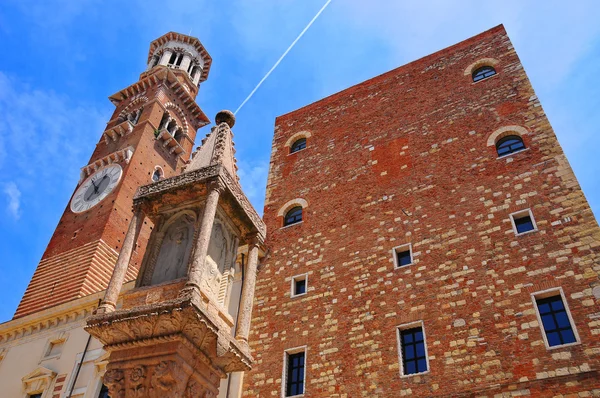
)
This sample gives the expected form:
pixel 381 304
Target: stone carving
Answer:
pixel 174 251
pixel 114 380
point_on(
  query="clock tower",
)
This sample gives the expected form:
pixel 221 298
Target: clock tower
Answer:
pixel 149 137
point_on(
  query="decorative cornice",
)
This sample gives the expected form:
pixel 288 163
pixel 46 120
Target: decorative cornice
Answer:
pixel 202 175
pixel 164 75
pixel 124 154
pixel 71 312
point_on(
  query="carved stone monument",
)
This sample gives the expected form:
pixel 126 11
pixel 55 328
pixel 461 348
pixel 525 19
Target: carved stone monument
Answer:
pixel 173 335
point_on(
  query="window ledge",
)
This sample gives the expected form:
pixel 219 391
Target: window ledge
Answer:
pixel 414 374
pixel 487 78
pixel 558 347
pixel 289 154
pixel 403 266
pixel 298 295
pixel 512 153
pixel 291 225
pixel 528 232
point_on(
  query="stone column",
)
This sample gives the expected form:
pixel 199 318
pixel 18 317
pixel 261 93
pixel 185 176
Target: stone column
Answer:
pixel 165 57
pixel 196 272
pixel 196 77
pixel 109 303
pixel 245 312
pixel 185 63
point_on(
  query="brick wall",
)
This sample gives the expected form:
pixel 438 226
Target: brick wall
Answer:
pixel 404 158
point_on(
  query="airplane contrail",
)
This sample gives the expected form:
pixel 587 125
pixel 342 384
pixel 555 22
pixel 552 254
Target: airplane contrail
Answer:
pixel 283 56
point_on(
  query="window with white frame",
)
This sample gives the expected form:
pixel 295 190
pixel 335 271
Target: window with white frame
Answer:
pixel 558 328
pixel 299 285
pixel 294 375
pixel 523 222
pixel 402 255
pixel 412 349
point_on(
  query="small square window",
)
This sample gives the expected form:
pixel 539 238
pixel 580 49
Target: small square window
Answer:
pixel 413 350
pixel 555 319
pixel 523 222
pixel 299 285
pixel 402 255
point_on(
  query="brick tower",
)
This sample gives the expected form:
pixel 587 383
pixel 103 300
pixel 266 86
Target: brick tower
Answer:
pixel 150 136
pixel 427 237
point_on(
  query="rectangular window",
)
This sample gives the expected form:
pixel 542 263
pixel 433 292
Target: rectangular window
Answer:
pixel 413 351
pixel 402 255
pixel 523 222
pixel 555 321
pixel 299 285
pixel 295 374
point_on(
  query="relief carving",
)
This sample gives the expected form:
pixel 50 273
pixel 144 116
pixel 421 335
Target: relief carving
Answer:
pixel 174 253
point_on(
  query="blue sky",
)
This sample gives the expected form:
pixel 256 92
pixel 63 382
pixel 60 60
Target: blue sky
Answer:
pixel 62 59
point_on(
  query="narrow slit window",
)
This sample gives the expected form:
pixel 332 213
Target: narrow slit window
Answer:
pixel 414 356
pixel 295 374
pixel 555 321
pixel 293 216
pixel 509 144
pixel 298 145
pixel 483 73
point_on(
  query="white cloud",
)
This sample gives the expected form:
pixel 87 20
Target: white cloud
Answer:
pixel 253 178
pixel 14 199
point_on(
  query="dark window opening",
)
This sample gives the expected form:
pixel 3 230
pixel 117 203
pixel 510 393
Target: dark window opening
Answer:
pixel 509 144
pixel 178 135
pixel 293 216
pixel 298 145
pixel 403 257
pixel 555 321
pixel 173 58
pixel 103 392
pixel 157 175
pixel 179 59
pixel 299 286
pixel 523 224
pixel 483 73
pixel 38 395
pixel 295 375
pixel 413 351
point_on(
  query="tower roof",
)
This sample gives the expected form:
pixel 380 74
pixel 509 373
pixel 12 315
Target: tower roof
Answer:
pixel 192 41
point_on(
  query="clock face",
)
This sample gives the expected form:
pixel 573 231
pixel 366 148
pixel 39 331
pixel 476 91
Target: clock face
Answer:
pixel 96 188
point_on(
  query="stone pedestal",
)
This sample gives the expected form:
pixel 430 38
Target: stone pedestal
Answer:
pixel 180 347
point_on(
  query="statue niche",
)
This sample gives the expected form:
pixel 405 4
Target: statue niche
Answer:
pixel 174 254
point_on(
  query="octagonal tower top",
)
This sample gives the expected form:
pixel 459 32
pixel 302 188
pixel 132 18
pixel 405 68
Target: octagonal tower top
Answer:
pixel 178 51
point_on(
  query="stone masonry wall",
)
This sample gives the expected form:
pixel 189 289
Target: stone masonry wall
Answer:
pixel 403 158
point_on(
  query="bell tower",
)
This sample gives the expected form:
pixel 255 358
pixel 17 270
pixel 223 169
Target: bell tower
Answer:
pixel 149 137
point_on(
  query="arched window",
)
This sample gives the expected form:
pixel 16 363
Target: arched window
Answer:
pixel 293 216
pixel 298 145
pixel 509 144
pixel 158 175
pixel 483 73
pixel 173 58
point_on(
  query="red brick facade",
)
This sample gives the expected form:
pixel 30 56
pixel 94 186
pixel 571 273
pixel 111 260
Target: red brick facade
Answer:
pixel 80 257
pixel 404 158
